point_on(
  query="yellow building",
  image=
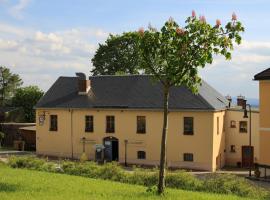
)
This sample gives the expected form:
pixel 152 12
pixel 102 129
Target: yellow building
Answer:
pixel 264 121
pixel 120 118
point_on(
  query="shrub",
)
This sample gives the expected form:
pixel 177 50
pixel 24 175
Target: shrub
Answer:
pixel 214 183
pixel 232 184
pixel 183 180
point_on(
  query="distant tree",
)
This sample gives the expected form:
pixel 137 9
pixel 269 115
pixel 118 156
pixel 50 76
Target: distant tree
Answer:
pixel 27 97
pixel 9 82
pixel 174 55
pixel 119 55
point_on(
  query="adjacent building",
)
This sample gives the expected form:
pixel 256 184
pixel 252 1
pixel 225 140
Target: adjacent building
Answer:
pixel 264 121
pixel 119 118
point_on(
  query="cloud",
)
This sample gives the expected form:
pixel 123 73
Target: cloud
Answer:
pixel 17 10
pixel 235 76
pixel 41 57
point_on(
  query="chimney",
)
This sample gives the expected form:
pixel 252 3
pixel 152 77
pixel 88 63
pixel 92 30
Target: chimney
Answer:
pixel 83 84
pixel 241 101
pixel 229 98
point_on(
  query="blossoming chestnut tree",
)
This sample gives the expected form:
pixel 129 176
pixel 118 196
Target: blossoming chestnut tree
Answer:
pixel 174 54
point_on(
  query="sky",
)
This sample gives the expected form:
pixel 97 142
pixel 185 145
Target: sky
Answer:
pixel 42 40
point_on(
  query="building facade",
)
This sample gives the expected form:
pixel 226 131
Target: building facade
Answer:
pixel 120 118
pixel 264 122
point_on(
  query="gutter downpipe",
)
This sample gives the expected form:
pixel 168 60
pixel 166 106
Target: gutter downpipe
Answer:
pixel 71 131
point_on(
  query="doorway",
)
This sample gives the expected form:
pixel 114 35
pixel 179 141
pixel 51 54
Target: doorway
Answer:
pixel 247 156
pixel 111 151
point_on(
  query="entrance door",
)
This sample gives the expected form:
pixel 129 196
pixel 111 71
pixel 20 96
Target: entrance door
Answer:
pixel 111 149
pixel 247 156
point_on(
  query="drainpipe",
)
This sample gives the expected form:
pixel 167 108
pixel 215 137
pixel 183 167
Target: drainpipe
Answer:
pixel 71 131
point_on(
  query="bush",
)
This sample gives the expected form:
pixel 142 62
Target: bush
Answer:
pixel 183 180
pixel 214 183
pixel 232 184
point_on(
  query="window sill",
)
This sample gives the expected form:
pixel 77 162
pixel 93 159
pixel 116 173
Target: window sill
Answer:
pixel 188 133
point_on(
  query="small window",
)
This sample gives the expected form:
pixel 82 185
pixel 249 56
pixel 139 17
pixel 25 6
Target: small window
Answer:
pixel 217 125
pixel 188 157
pixel 188 125
pixel 243 127
pixel 233 124
pixel 89 123
pixel 233 148
pixel 141 124
pixel 110 124
pixel 141 155
pixel 53 122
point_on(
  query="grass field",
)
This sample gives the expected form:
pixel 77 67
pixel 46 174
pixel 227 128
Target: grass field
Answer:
pixel 26 184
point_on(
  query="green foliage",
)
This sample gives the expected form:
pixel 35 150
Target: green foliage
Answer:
pixel 174 54
pixel 216 183
pixel 119 55
pixel 31 185
pixel 27 98
pixel 9 82
pixel 232 184
pixel 183 180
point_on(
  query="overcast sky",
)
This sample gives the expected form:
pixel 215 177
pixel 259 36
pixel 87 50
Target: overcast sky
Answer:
pixel 42 40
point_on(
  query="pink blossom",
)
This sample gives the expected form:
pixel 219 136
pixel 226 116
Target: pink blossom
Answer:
pixel 202 18
pixel 218 22
pixel 170 20
pixel 141 31
pixel 180 31
pixel 193 13
pixel 234 17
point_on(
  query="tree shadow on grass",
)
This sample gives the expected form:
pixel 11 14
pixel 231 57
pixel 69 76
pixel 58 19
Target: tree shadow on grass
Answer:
pixel 7 187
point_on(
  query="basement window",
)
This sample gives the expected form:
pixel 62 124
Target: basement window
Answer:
pixel 233 124
pixel 233 149
pixel 141 154
pixel 243 126
pixel 188 157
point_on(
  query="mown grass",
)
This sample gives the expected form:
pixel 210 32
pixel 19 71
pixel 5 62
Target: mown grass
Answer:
pixel 25 184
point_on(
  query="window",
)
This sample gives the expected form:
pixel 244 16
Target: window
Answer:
pixel 188 125
pixel 53 122
pixel 217 125
pixel 188 157
pixel 89 123
pixel 243 127
pixel 109 124
pixel 233 148
pixel 233 124
pixel 141 124
pixel 141 154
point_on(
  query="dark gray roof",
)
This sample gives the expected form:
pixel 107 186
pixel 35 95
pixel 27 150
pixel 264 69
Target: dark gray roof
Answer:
pixel 264 75
pixel 131 92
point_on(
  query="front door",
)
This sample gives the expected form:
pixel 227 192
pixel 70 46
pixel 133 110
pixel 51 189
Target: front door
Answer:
pixel 111 149
pixel 247 156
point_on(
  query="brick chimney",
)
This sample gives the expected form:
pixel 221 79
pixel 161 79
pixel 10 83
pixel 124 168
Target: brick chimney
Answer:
pixel 83 84
pixel 229 98
pixel 241 101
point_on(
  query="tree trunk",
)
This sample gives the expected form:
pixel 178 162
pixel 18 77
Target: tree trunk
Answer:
pixel 161 183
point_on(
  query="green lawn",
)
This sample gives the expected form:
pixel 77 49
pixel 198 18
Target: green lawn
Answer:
pixel 26 184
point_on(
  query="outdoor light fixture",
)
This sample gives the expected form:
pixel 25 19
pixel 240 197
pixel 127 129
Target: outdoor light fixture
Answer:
pixel 245 105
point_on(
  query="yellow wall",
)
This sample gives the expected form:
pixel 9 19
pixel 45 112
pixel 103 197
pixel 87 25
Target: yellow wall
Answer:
pixel 218 158
pixel 234 137
pixel 205 144
pixel 264 122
